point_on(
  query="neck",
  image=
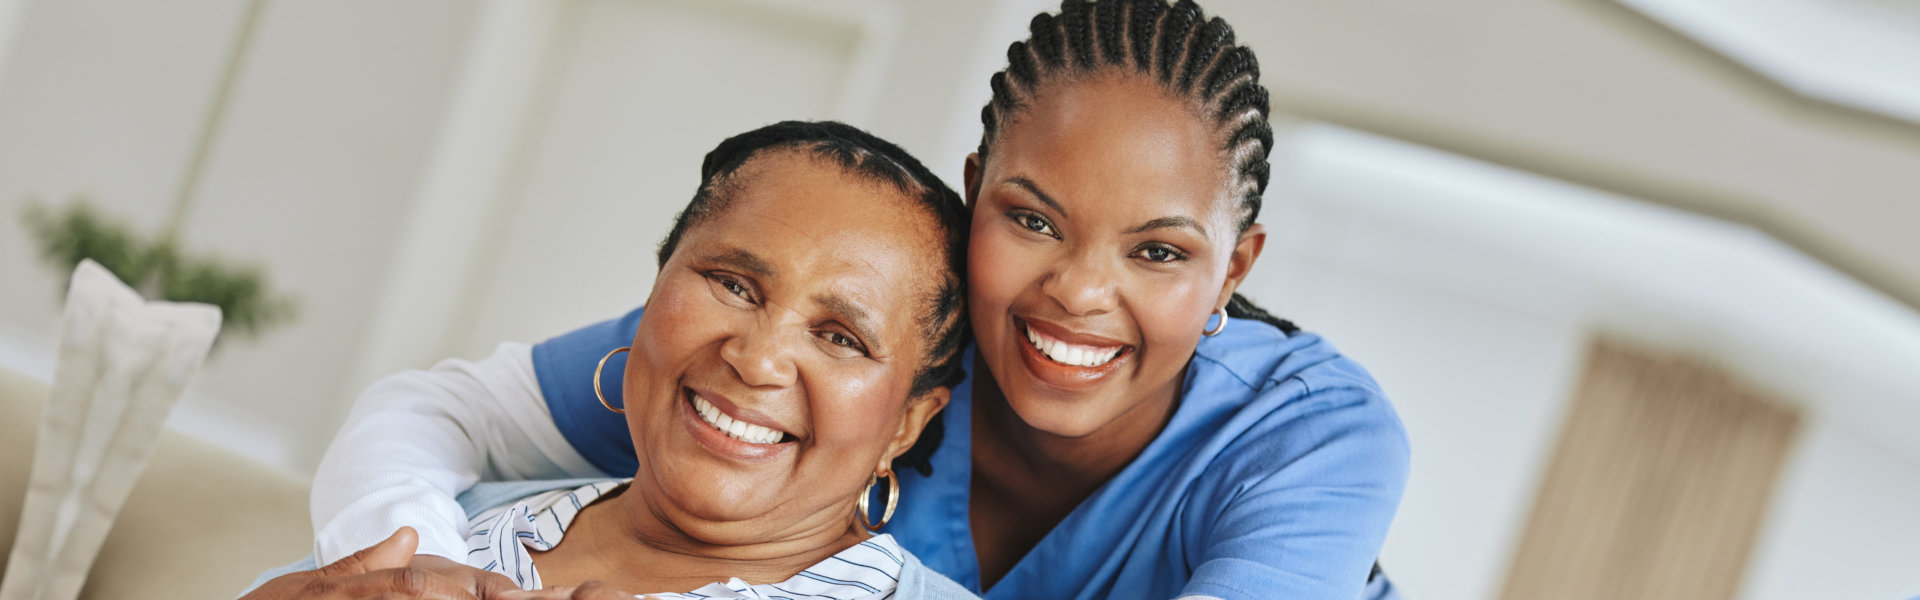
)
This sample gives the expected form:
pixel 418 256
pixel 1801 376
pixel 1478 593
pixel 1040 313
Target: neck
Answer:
pixel 628 542
pixel 1065 467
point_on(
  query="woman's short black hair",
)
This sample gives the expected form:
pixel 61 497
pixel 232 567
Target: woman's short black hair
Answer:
pixel 944 320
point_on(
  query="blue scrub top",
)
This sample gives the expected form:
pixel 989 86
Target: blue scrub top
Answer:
pixel 1276 477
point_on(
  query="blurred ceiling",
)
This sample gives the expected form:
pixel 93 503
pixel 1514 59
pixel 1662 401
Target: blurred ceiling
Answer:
pixel 1862 54
pixel 1796 117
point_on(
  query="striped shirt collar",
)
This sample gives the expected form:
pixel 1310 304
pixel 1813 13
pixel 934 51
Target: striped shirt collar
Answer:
pixel 502 540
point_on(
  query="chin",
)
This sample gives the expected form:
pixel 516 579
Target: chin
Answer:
pixel 723 503
pixel 712 492
pixel 1074 417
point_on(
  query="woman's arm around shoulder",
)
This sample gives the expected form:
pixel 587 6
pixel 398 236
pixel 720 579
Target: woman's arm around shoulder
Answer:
pixel 416 439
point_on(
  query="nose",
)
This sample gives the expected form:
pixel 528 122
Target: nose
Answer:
pixel 1084 285
pixel 761 354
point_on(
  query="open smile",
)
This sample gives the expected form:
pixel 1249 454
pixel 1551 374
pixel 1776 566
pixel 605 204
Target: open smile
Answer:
pixel 734 428
pixel 1069 354
pixel 1067 359
pixel 720 425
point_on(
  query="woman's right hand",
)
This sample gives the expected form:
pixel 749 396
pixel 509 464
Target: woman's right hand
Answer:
pixel 388 569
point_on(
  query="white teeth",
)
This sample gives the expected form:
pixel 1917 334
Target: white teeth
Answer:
pixel 1071 354
pixel 739 430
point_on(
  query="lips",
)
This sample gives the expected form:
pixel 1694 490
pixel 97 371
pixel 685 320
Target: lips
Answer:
pixel 731 430
pixel 1071 354
pixel 734 428
pixel 1066 359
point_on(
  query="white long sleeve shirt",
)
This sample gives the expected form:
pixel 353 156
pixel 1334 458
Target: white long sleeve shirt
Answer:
pixel 414 440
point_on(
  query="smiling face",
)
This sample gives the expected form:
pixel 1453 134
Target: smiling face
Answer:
pixel 1104 234
pixel 770 373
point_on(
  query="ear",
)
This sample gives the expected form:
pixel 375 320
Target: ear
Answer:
pixel 971 178
pixel 920 410
pixel 1245 252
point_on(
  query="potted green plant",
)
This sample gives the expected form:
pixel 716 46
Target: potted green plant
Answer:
pixel 157 267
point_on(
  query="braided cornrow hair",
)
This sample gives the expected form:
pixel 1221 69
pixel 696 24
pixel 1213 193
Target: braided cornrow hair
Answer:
pixel 1191 56
pixel 944 321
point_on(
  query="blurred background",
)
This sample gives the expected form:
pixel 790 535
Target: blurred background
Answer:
pixel 1641 276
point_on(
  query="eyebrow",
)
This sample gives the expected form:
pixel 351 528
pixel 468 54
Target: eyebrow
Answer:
pixel 1035 190
pixel 1170 223
pixel 745 261
pixel 855 317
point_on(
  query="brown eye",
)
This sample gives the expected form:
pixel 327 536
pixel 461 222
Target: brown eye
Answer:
pixel 732 287
pixel 1160 253
pixel 845 341
pixel 1034 223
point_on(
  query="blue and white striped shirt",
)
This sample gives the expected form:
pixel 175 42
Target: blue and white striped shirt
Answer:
pixel 503 540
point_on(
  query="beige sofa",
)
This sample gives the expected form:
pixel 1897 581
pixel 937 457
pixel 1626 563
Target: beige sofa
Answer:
pixel 200 524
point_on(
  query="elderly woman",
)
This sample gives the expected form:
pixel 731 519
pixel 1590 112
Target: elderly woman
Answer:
pixel 794 347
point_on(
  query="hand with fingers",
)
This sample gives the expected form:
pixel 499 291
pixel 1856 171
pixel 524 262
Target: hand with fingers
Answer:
pixel 385 570
pixel 485 585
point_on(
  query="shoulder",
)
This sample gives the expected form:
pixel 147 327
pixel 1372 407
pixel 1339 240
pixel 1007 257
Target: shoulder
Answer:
pixel 919 581
pixel 1304 462
pixel 1260 357
pixel 587 344
pixel 564 364
pixel 564 368
pixel 1284 399
pixel 1255 368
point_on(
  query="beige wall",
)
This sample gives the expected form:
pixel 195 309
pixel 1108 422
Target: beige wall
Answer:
pixel 332 114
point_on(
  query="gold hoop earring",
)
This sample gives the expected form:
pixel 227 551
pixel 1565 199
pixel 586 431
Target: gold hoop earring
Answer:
pixel 893 501
pixel 596 379
pixel 1217 328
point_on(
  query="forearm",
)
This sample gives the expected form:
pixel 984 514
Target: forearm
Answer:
pixel 415 440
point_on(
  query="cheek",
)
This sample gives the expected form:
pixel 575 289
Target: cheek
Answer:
pixel 853 416
pixel 998 268
pixel 681 316
pixel 676 296
pixel 1172 313
pixel 1177 306
pixel 848 407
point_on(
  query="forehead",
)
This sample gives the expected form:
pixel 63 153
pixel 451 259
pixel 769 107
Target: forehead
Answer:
pixel 1115 136
pixel 822 229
